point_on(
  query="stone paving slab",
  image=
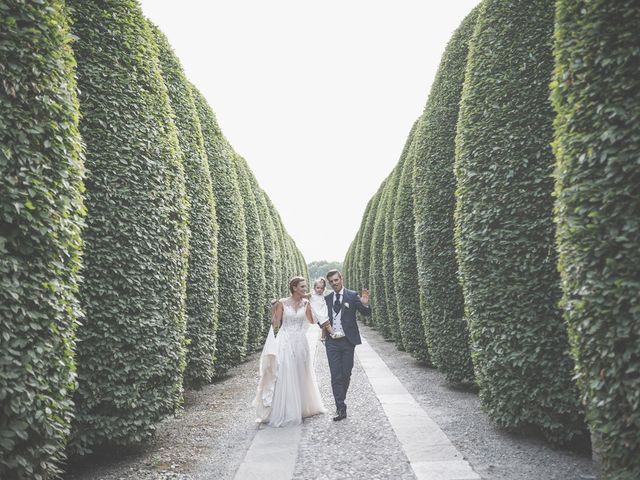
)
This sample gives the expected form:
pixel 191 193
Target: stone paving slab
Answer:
pixel 272 454
pixel 444 470
pixel 430 453
pixel 273 451
pixel 387 434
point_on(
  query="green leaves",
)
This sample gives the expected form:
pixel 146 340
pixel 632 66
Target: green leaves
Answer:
pixel 405 272
pixel 596 95
pixel 504 225
pixel 233 306
pixel 434 202
pixel 41 217
pixel 256 281
pixel 136 253
pixel 202 280
pixel 140 318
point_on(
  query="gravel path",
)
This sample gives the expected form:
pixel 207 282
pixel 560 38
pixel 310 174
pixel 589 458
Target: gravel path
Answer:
pixel 209 439
pixel 493 453
pixel 361 446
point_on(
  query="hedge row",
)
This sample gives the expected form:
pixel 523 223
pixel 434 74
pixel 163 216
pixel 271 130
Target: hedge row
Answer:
pixel 596 94
pixel 255 256
pixel 233 300
pixel 405 271
pixel 41 217
pixel 377 274
pixel 504 223
pixel 101 358
pixel 434 201
pixel 495 271
pixel 135 257
pixel 202 278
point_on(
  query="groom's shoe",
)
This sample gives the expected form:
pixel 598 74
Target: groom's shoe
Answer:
pixel 341 414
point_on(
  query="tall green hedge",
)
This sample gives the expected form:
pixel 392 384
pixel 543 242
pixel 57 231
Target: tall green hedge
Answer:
pixel 347 264
pixel 131 352
pixel 350 279
pixel 388 248
pixel 287 267
pixel 405 270
pixel 280 281
pixel 233 300
pixel 291 265
pixel 392 325
pixel 596 94
pixel 434 199
pixel 377 273
pixel 255 255
pixel 504 224
pixel 41 211
pixel 364 248
pixel 269 247
pixel 202 279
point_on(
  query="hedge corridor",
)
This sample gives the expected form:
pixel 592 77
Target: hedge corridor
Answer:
pixel 520 274
pixel 139 253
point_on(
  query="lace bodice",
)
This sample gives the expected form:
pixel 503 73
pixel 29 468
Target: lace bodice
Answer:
pixel 294 320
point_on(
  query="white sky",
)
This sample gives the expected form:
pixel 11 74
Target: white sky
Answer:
pixel 319 96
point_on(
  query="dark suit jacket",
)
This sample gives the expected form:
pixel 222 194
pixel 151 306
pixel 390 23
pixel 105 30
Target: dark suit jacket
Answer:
pixel 349 324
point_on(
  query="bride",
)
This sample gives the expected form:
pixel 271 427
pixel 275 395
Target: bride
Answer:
pixel 287 391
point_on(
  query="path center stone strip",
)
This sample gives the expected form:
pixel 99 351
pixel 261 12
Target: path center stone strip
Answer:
pixel 273 452
pixel 430 453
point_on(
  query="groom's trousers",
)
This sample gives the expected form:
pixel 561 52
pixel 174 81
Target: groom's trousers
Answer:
pixel 340 356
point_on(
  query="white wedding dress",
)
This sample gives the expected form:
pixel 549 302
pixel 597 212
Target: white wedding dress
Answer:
pixel 288 391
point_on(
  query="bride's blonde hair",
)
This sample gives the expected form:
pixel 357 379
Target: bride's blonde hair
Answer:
pixel 294 282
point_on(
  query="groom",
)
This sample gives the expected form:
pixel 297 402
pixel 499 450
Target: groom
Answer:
pixel 342 305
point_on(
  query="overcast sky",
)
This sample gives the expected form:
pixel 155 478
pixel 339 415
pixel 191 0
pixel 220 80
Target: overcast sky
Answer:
pixel 318 96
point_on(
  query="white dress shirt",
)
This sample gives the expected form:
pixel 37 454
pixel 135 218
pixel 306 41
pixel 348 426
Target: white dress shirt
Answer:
pixel 337 317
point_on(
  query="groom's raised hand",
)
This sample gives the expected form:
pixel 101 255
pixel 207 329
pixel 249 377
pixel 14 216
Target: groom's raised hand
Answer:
pixel 364 296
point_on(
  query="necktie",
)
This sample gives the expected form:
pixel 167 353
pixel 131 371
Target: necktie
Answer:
pixel 337 306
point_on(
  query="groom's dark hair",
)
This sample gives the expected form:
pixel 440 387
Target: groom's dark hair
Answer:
pixel 331 273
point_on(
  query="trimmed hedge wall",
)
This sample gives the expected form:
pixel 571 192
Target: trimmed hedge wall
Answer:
pixel 405 271
pixel 202 278
pixel 131 353
pixel 365 251
pixel 41 216
pixel 269 247
pixel 377 273
pixel 281 281
pixel 355 267
pixel 504 224
pixel 233 300
pixel 347 264
pixel 434 199
pixel 364 248
pixel 255 256
pixel 392 325
pixel 596 94
pixel 388 248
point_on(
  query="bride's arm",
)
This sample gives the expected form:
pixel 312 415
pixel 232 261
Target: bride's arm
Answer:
pixel 276 318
